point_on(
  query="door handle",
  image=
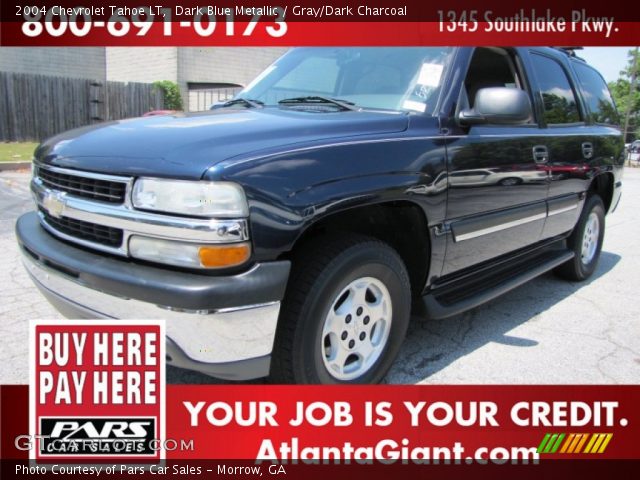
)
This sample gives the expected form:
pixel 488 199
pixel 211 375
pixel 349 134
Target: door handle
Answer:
pixel 587 150
pixel 540 154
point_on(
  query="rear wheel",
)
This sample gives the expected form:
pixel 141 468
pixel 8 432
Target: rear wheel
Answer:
pixel 345 314
pixel 585 241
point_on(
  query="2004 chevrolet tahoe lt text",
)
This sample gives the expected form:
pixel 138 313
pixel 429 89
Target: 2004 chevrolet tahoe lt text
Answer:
pixel 289 232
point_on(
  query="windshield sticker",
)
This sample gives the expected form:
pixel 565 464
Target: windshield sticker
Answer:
pixel 430 74
pixel 417 106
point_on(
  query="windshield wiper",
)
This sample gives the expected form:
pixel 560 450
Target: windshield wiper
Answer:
pixel 242 101
pixel 316 99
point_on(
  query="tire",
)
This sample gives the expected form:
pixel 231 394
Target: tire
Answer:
pixel 510 181
pixel 583 242
pixel 364 284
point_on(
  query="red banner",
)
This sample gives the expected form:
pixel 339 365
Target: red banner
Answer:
pixel 318 34
pixel 394 424
pixel 259 23
pixel 401 421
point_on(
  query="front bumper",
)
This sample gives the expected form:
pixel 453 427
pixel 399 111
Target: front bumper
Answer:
pixel 222 326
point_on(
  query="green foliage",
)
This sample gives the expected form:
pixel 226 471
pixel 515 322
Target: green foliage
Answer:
pixel 620 92
pixel 626 100
pixel 17 151
pixel 171 92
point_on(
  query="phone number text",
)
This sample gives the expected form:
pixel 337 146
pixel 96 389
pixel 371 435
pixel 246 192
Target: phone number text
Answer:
pixel 140 21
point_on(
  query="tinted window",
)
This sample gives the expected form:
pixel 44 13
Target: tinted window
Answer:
pixel 404 79
pixel 489 67
pixel 596 94
pixel 317 74
pixel 560 104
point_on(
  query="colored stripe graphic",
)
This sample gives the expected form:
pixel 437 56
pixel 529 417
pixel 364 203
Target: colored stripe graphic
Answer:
pixel 550 443
pixel 578 438
pixel 596 445
pixel 567 443
pixel 592 440
pixel 602 441
pixel 581 442
pixel 543 443
pixel 555 447
pixel 603 447
pixel 573 443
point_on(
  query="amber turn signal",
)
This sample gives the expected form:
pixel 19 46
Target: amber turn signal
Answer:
pixel 224 256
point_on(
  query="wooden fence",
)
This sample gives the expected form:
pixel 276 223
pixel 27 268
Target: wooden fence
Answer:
pixel 34 107
pixel 201 99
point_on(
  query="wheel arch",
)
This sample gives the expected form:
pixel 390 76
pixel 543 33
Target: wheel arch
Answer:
pixel 603 185
pixel 402 224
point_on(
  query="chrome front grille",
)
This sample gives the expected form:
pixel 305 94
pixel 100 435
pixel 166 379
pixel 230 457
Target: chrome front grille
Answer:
pixel 94 210
pixel 94 188
pixel 87 231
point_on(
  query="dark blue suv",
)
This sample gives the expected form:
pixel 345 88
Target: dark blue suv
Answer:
pixel 291 231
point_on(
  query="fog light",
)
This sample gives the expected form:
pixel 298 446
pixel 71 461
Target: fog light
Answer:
pixel 192 255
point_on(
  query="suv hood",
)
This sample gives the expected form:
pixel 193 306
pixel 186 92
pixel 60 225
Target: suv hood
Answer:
pixel 186 145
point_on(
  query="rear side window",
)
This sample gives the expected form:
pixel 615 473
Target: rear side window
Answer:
pixel 560 105
pixel 597 96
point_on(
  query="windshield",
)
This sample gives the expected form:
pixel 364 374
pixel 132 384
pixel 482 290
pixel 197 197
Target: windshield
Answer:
pixel 389 78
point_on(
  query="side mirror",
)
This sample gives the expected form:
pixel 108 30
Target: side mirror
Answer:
pixel 498 105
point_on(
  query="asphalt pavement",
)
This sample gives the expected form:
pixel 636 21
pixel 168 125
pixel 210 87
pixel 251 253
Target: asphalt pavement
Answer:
pixel 548 331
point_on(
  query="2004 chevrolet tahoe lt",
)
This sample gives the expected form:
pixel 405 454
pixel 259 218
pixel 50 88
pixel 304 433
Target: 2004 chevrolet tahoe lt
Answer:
pixel 290 231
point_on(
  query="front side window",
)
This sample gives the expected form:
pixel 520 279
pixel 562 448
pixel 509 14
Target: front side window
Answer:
pixel 559 100
pixel 491 67
pixel 597 95
pixel 390 78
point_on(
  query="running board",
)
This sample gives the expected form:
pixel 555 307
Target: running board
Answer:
pixel 454 299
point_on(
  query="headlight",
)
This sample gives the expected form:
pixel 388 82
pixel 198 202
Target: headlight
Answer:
pixel 184 254
pixel 197 198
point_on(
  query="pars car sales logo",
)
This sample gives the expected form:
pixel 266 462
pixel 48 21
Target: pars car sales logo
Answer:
pixel 97 390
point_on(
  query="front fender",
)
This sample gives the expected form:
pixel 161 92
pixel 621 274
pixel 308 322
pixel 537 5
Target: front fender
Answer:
pixel 290 191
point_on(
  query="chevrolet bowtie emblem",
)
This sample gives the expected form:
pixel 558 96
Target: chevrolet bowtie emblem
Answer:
pixel 54 203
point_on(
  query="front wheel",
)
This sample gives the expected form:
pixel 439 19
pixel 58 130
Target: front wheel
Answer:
pixel 585 241
pixel 345 314
pixel 510 181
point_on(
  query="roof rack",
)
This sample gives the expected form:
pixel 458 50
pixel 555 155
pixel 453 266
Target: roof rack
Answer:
pixel 571 52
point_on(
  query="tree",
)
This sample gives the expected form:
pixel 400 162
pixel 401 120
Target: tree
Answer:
pixel 171 93
pixel 626 93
